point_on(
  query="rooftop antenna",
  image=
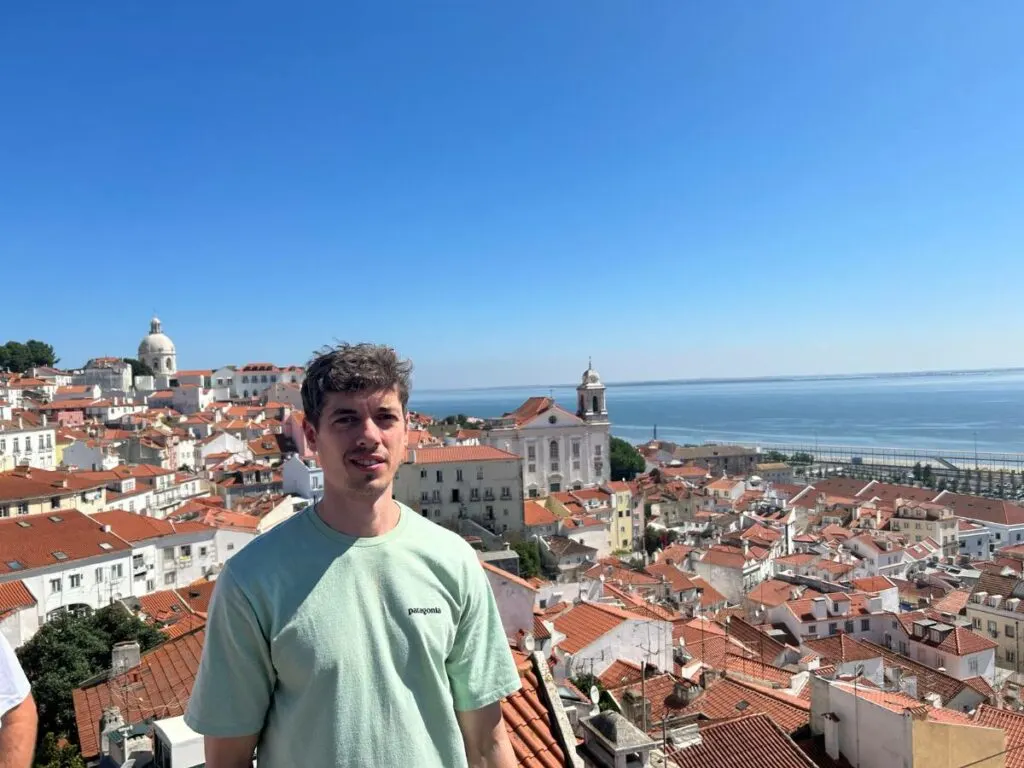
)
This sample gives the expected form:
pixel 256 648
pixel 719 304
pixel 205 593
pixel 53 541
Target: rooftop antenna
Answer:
pixel 590 361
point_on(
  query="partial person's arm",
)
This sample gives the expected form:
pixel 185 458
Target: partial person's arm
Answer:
pixel 228 752
pixel 233 690
pixel 18 718
pixel 487 744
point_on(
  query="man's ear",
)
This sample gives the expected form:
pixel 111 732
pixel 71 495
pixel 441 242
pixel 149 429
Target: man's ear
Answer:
pixel 310 432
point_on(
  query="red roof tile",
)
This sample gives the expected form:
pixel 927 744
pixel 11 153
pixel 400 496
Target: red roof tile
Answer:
pixel 14 596
pixel 953 603
pixel 158 688
pixel 1012 723
pixel 677 580
pixel 659 690
pixel 528 721
pixel 535 513
pixel 621 672
pixel 455 453
pixel 586 622
pixel 840 648
pixel 32 540
pixel 752 740
pixel 720 700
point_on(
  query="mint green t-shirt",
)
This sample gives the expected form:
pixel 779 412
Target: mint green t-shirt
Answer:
pixel 345 651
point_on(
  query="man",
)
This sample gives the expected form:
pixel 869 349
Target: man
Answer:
pixel 357 633
pixel 18 717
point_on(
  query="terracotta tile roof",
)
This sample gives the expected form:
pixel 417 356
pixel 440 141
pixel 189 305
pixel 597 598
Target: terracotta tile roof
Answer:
pixel 455 453
pixel 561 546
pixel 757 641
pixel 659 691
pixel 621 672
pixel 980 684
pixel 954 602
pixel 14 596
pixel 724 557
pixel 773 592
pixel 183 625
pixel 158 688
pixel 901 702
pixel 751 740
pixel 33 540
pixel 676 553
pixel 617 575
pixel 197 595
pixel 534 406
pixel 1012 723
pixel 840 648
pixel 802 609
pixel 31 483
pixel 720 700
pixel 511 577
pixel 586 622
pixel 709 596
pixel 873 584
pixel 540 632
pixel 535 513
pixel 742 665
pixel 163 605
pixel 528 722
pixel 677 580
pixel 135 528
pixel 928 679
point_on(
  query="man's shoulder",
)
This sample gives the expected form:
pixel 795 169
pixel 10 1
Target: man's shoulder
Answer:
pixel 280 541
pixel 427 534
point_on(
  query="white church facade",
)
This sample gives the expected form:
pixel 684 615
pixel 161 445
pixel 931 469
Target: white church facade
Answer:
pixel 560 450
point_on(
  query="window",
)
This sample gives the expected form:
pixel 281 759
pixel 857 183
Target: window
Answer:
pixel 202 551
pixel 1011 657
pixel 832 628
pixel 150 585
pixel 597 449
pixel 533 493
pixel 993 627
pixel 972 666
pixel 138 562
pixel 553 450
pixel 917 526
pixel 865 625
pixel 506 492
pixel 54 585
pixel 576 466
pixel 230 547
pixel 456 498
pixel 440 476
pixel 812 629
pixel 28 444
pixel 117 571
pixel 3 445
pixel 474 494
pixel 531 467
pixel 168 553
pixel 458 475
pixel 186 550
pixel 1009 630
pixel 940 661
pixel 170 578
pixel 423 474
pixel 49 445
pixel 75 580
pixel 976 622
pixel 575 449
pixel 17 448
pixel 848 627
pixel 598 467
pixel 531 453
pixel 99 575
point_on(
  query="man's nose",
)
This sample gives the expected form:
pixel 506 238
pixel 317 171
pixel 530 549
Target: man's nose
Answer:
pixel 369 432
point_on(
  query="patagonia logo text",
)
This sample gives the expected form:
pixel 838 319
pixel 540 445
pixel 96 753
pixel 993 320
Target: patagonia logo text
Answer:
pixel 424 611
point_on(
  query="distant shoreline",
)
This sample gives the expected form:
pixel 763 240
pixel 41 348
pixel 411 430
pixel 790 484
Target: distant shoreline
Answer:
pixel 743 380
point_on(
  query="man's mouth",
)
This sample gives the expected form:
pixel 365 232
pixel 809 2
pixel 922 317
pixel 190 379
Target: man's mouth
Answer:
pixel 369 463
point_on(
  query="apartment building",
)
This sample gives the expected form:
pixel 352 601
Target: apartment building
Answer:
pixel 924 519
pixel 31 491
pixel 26 442
pixel 996 612
pixel 476 482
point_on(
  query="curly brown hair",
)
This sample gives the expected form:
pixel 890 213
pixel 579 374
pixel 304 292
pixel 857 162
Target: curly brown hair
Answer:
pixel 353 368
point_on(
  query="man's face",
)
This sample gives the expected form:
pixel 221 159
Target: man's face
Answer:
pixel 361 441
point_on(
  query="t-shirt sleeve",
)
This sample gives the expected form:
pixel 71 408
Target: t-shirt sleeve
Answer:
pixel 480 667
pixel 236 677
pixel 14 687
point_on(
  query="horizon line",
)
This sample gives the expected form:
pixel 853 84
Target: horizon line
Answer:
pixel 744 379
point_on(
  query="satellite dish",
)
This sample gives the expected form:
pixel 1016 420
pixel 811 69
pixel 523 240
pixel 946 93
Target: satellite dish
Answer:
pixel 595 695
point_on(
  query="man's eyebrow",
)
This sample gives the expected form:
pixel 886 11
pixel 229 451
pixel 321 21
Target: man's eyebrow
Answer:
pixel 341 410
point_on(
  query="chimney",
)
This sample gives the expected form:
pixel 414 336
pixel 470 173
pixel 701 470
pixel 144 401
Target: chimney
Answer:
pixel 21 422
pixel 124 657
pixel 45 420
pixel 819 608
pixel 746 548
pixel 110 721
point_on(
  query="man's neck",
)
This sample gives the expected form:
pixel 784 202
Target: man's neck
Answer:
pixel 362 516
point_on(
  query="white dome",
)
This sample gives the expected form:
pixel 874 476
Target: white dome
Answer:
pixel 157 349
pixel 590 376
pixel 156 344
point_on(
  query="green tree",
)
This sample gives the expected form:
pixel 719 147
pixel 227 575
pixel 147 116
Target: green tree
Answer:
pixel 529 558
pixel 626 461
pixel 927 475
pixel 69 650
pixel 774 457
pixel 802 457
pixel 139 367
pixel 918 471
pixel 18 357
pixel 53 753
pixel 655 539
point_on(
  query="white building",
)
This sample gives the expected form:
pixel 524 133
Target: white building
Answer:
pixel 302 477
pixel 157 350
pixel 951 648
pixel 254 379
pixel 559 450
pixel 191 398
pixel 111 374
pixel 973 540
pixel 480 483
pixel 285 392
pixel 91 454
pixel 25 444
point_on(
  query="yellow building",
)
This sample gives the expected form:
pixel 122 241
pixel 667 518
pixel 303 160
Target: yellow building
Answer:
pixel 30 491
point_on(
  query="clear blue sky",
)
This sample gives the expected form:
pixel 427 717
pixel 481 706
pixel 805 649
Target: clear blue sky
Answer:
pixel 502 189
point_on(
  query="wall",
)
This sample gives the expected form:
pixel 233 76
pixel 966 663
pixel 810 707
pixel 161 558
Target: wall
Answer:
pixel 634 640
pixel 878 735
pixel 515 603
pixel 943 745
pixel 19 627
pixel 728 581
